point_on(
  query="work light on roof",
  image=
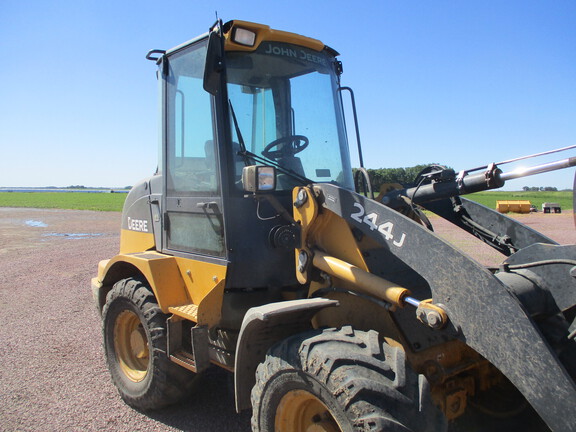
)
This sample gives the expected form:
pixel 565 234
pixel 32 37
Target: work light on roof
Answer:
pixel 244 37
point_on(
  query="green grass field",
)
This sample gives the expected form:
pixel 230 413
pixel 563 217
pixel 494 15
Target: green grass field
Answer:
pixel 64 200
pixel 115 201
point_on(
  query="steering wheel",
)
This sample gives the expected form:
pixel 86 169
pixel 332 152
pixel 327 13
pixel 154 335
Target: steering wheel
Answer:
pixel 293 144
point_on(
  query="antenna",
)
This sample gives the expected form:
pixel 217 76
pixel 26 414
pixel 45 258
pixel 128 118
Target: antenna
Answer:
pixel 218 24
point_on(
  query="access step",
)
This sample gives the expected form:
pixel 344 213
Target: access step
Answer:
pixel 184 359
pixel 197 360
pixel 187 311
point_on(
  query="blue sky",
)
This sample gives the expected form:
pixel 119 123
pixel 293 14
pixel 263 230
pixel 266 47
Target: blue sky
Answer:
pixel 461 83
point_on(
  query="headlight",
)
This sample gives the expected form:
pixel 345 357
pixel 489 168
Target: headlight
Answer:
pixel 256 178
pixel 244 37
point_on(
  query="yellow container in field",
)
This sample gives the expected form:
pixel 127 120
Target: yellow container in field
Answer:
pixel 514 206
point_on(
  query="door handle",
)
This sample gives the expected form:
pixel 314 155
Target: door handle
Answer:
pixel 207 205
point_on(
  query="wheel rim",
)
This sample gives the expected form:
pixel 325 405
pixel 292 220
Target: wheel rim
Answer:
pixel 300 410
pixel 131 346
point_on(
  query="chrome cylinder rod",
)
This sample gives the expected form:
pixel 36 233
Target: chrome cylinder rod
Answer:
pixel 538 169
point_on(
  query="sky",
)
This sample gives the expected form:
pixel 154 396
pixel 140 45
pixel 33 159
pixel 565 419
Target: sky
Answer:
pixel 460 83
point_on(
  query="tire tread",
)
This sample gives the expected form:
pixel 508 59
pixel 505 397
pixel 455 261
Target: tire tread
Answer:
pixel 368 378
pixel 169 383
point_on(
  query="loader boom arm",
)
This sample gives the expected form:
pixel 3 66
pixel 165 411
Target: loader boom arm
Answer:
pixel 482 312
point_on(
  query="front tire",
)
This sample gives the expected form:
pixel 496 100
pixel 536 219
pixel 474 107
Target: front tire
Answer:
pixel 135 338
pixel 339 380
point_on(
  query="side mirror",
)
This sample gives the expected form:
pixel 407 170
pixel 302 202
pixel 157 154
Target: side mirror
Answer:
pixel 214 63
pixel 258 178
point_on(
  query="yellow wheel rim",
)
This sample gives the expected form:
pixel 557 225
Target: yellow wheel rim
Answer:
pixel 131 346
pixel 300 410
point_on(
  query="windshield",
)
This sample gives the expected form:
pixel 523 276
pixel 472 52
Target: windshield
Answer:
pixel 287 109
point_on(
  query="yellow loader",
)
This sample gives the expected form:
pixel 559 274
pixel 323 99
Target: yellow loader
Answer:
pixel 254 248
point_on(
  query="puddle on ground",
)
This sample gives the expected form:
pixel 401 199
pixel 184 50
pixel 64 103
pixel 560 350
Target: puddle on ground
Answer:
pixel 73 236
pixel 35 223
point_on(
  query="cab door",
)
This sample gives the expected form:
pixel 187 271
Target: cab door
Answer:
pixel 193 200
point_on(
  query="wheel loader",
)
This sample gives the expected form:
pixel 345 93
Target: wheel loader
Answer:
pixel 254 248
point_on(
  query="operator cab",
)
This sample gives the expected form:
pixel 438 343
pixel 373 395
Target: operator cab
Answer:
pixel 241 96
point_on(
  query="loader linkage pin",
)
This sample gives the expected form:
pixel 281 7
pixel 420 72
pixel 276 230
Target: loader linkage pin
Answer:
pixel 427 313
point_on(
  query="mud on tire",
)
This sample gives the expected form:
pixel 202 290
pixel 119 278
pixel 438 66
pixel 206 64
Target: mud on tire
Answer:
pixel 363 382
pixel 135 338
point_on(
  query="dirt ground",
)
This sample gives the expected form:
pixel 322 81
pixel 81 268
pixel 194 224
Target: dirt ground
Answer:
pixel 558 227
pixel 53 374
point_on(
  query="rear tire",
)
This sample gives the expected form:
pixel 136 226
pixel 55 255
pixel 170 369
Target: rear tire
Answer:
pixel 340 380
pixel 135 338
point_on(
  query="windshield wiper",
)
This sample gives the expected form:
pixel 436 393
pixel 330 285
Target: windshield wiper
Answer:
pixel 261 159
pixel 238 133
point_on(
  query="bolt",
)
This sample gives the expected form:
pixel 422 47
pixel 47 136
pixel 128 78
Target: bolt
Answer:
pixel 302 261
pixel 433 318
pixel 301 198
pixel 433 371
pixel 455 405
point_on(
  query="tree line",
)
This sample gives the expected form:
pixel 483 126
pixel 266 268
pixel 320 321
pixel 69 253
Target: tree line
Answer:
pixel 540 189
pixel 408 176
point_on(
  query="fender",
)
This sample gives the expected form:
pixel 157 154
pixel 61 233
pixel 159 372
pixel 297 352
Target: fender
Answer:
pixel 261 328
pixel 161 272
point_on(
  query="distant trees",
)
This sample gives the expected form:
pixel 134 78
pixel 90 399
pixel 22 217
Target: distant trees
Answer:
pixel 405 176
pixel 539 189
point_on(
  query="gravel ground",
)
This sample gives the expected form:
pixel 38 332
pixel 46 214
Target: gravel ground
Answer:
pixel 558 227
pixel 53 374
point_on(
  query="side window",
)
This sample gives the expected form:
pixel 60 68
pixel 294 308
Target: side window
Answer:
pixel 193 202
pixel 191 156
